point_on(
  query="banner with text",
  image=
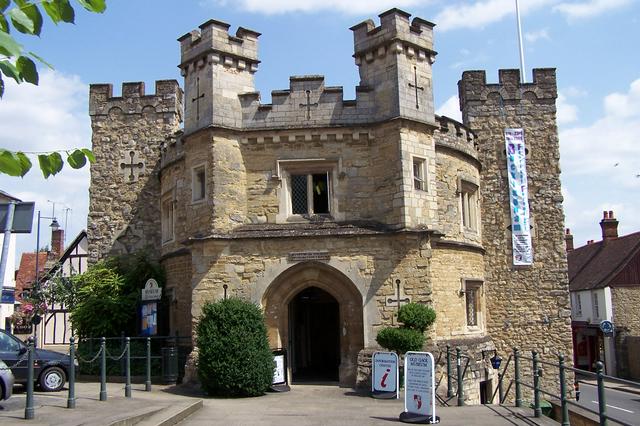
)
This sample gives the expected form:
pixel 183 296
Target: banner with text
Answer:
pixel 518 197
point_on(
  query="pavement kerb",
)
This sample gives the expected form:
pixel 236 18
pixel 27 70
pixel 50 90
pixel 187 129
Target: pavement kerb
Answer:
pixel 613 385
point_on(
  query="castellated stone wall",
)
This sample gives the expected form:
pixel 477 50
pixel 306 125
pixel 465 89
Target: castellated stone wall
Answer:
pixel 128 131
pixel 529 306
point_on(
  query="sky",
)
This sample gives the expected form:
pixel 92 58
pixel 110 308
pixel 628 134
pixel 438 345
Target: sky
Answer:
pixel 592 43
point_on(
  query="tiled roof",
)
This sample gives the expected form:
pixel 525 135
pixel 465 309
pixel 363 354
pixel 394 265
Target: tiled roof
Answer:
pixel 596 264
pixel 27 270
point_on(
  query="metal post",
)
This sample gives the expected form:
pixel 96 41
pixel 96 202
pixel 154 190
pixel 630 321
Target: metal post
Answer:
pixel 147 383
pixel 459 373
pixel 602 402
pixel 537 411
pixel 516 366
pixel 127 387
pixel 449 384
pixel 523 76
pixel 71 400
pixel 500 387
pixel 563 391
pixel 6 241
pixel 28 409
pixel 103 369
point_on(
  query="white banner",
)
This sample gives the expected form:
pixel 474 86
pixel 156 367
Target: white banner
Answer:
pixel 518 197
pixel 419 384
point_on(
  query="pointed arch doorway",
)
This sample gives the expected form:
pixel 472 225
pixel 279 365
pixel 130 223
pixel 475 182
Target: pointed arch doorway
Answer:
pixel 315 312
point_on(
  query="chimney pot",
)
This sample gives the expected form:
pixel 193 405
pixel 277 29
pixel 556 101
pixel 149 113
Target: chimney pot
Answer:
pixel 568 239
pixel 609 226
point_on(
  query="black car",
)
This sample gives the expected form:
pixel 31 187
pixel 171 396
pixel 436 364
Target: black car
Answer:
pixel 49 368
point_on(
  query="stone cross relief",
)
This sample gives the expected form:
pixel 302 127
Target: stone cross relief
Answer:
pixel 129 240
pixel 400 297
pixel 197 98
pixel 415 86
pixel 308 105
pixel 131 166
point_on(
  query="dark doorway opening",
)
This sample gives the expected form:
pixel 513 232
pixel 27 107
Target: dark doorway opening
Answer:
pixel 314 324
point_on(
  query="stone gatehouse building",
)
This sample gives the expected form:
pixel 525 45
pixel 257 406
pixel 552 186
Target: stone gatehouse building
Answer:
pixel 326 211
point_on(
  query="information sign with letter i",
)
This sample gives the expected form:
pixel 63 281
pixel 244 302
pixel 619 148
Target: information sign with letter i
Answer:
pixel 419 389
pixel 384 375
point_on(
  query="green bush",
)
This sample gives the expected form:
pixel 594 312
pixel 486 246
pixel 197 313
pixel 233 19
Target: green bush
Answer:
pixel 416 316
pixel 400 340
pixel 234 358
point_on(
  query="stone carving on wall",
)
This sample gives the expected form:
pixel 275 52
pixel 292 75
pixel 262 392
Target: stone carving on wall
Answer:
pixel 132 166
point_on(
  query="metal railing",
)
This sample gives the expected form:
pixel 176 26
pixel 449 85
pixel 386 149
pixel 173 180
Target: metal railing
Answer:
pixel 459 375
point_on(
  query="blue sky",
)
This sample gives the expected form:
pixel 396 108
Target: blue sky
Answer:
pixel 592 43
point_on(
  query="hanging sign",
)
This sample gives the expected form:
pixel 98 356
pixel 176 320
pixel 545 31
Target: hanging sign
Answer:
pixel 419 389
pixel 151 290
pixel 518 197
pixel 384 375
pixel 149 317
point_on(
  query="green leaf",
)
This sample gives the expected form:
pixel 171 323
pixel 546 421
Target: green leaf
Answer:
pixel 97 6
pixel 1 86
pixel 28 71
pixel 77 159
pixel 59 10
pixel 4 4
pixel 24 162
pixel 8 46
pixel 56 163
pixel 66 11
pixel 45 167
pixel 10 163
pixel 21 21
pixel 4 25
pixel 89 154
pixel 52 9
pixel 10 70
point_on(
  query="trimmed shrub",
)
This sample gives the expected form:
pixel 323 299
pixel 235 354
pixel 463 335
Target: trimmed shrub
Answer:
pixel 400 340
pixel 416 316
pixel 234 358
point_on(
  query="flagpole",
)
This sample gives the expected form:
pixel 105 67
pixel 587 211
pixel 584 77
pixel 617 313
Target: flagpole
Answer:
pixel 523 75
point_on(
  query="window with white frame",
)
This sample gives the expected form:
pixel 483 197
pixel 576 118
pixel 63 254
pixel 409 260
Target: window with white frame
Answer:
pixel 596 305
pixel 198 183
pixel 473 302
pixel 167 223
pixel 468 193
pixel 577 305
pixel 419 174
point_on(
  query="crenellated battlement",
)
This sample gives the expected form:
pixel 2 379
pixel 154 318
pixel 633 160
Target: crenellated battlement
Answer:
pixel 473 86
pixel 213 43
pixel 167 98
pixel 395 35
pixel 455 135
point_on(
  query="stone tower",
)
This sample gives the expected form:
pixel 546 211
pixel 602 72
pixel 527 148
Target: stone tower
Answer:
pixel 128 132
pixel 528 306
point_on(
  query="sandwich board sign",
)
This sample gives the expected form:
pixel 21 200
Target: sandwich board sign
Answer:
pixel 280 381
pixel 384 375
pixel 419 389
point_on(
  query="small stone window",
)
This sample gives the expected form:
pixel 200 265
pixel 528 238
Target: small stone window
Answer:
pixel 419 174
pixel 310 193
pixel 468 193
pixel 473 303
pixel 198 183
pixel 167 225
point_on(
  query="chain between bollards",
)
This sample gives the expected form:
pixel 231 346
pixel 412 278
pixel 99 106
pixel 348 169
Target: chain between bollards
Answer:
pixel 103 369
pixel 459 373
pixel 127 387
pixel 602 402
pixel 563 391
pixel 449 384
pixel 516 366
pixel 28 408
pixel 71 400
pixel 147 383
pixel 537 411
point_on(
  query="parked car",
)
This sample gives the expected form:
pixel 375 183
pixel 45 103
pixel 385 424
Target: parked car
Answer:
pixel 49 368
pixel 6 381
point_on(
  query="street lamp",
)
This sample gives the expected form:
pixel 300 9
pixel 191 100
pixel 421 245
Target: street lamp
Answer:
pixel 54 227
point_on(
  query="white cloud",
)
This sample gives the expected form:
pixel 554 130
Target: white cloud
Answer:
pixel 588 9
pixel 479 14
pixel 349 7
pixel 574 92
pixel 533 36
pixel 567 113
pixel 51 116
pixel 451 108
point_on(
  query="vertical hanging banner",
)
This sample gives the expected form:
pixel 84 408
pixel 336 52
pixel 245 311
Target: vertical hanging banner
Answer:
pixel 419 389
pixel 384 375
pixel 518 197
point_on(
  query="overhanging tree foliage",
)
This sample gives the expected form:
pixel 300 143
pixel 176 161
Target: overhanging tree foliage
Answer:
pixel 26 17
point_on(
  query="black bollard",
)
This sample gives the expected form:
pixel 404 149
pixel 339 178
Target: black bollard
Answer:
pixel 127 386
pixel 147 383
pixel 28 409
pixel 103 369
pixel 71 400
